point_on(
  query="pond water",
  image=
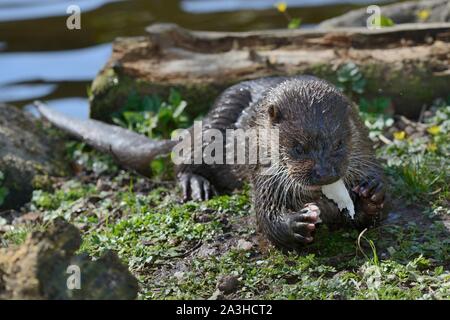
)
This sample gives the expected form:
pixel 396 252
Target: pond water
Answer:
pixel 41 59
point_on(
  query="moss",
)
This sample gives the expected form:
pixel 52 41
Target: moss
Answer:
pixel 110 92
pixel 42 182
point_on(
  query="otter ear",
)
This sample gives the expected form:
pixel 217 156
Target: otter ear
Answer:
pixel 274 113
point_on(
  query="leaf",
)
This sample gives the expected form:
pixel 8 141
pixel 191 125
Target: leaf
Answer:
pixel 364 105
pixel 174 97
pixel 165 115
pixel 341 87
pixel 151 104
pixel 158 166
pixel 179 110
pixel 386 22
pixel 133 118
pixel 359 85
pixel 294 23
pixel 377 105
pixel 133 102
pixel 120 122
pixel 355 74
pixel 347 71
pixel 343 78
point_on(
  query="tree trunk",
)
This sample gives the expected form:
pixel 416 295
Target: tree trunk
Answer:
pixel 409 63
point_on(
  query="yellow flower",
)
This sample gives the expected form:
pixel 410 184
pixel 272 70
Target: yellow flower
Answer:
pixel 399 135
pixel 281 6
pixel 423 15
pixel 432 147
pixel 434 130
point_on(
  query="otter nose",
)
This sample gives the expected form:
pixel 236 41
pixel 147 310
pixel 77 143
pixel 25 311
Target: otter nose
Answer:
pixel 323 175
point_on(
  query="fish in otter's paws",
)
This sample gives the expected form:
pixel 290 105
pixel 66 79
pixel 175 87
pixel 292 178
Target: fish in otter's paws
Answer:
pixel 339 194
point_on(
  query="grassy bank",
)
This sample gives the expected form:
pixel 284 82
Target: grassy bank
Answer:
pixel 187 250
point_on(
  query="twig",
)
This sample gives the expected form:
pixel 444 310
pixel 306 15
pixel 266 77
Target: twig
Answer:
pixel 358 242
pixel 384 139
pixel 422 112
pixel 412 123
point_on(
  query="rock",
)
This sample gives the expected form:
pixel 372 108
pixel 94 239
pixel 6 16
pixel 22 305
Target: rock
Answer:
pixel 424 11
pixel 244 245
pixel 206 251
pixel 31 217
pixel 202 217
pixel 217 295
pixel 45 267
pixel 27 154
pixel 228 284
pixel 179 275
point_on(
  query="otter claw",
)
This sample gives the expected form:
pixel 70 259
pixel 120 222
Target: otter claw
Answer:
pixel 196 187
pixel 302 239
pixel 371 196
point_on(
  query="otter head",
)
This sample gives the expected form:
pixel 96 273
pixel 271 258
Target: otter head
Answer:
pixel 312 117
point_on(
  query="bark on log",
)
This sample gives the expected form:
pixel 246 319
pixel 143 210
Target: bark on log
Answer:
pixel 409 63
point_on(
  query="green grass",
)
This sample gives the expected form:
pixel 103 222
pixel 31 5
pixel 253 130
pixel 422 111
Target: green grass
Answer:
pixel 418 166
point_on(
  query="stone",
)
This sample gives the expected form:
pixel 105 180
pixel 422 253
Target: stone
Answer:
pixel 228 284
pixel 45 266
pixel 244 245
pixel 28 154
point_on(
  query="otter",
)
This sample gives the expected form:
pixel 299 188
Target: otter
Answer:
pixel 321 140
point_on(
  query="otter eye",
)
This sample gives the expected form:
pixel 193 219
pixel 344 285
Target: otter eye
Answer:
pixel 298 150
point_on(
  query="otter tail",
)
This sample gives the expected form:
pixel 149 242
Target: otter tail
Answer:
pixel 132 150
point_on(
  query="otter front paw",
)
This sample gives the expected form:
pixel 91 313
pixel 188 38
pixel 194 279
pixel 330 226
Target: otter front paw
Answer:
pixel 302 225
pixel 195 187
pixel 371 194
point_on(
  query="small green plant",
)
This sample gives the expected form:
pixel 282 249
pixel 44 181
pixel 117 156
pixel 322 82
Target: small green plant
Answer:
pixel 373 113
pixel 386 22
pixel 376 105
pixel 416 180
pixel 382 22
pixel 157 119
pixel 152 117
pixel 90 159
pixel 293 23
pixel 3 190
pixel 350 79
pixel 376 123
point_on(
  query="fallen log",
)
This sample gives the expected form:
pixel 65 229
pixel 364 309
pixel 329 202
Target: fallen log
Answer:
pixel 423 11
pixel 408 63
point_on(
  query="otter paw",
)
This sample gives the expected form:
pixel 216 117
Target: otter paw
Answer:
pixel 312 208
pixel 371 195
pixel 196 187
pixel 302 224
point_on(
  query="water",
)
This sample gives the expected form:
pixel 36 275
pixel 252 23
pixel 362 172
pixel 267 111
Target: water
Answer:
pixel 41 59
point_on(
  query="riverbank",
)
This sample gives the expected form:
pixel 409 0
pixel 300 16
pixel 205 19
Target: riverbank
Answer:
pixel 212 250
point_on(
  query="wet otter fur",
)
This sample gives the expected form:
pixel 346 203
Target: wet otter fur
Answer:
pixel 321 139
